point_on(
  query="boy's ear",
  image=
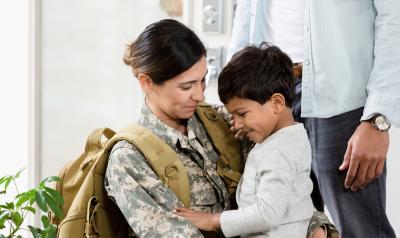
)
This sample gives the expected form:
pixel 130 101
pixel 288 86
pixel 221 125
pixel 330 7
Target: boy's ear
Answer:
pixel 145 82
pixel 278 102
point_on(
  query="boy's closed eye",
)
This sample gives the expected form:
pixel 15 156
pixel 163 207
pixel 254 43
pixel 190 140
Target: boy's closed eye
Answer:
pixel 241 114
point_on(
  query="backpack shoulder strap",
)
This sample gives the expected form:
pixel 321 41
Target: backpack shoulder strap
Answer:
pixel 230 164
pixel 161 157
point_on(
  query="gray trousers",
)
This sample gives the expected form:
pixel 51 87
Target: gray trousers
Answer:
pixel 356 214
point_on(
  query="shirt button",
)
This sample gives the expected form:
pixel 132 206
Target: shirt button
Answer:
pixel 307 29
pixel 307 62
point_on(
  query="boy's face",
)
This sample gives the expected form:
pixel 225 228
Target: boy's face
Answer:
pixel 257 120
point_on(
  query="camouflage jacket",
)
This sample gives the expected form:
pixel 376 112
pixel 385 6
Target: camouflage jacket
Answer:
pixel 144 200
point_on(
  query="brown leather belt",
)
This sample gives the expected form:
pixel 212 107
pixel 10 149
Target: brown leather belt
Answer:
pixel 297 70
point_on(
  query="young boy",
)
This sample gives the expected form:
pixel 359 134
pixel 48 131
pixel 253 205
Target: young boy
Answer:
pixel 273 195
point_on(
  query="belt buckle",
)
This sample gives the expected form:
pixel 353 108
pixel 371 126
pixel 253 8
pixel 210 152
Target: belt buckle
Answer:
pixel 297 70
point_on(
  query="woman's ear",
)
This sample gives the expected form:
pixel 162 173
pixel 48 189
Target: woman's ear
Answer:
pixel 278 102
pixel 145 82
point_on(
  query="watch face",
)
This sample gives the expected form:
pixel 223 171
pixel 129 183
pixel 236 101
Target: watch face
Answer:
pixel 382 123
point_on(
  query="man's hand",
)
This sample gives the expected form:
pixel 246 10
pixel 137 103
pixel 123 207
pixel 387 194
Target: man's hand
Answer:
pixel 365 156
pixel 203 220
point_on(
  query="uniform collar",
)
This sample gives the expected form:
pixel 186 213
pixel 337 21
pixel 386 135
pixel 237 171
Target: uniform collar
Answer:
pixel 170 135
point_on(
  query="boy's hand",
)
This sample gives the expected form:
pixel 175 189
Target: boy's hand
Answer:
pixel 203 220
pixel 238 132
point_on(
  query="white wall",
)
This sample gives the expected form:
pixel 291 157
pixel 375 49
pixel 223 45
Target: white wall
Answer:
pixel 85 84
pixel 15 96
pixel 14 89
pixel 393 180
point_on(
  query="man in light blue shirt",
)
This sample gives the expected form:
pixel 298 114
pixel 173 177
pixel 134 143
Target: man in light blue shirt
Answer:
pixel 349 97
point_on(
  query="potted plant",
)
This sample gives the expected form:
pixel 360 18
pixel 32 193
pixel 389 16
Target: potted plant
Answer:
pixel 13 213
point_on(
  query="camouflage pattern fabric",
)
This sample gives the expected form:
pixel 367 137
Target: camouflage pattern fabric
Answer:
pixel 319 219
pixel 144 200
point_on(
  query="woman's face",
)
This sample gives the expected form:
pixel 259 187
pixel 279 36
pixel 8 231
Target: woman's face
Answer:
pixel 176 99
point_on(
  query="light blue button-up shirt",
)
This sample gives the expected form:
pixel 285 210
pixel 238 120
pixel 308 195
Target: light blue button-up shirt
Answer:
pixel 351 54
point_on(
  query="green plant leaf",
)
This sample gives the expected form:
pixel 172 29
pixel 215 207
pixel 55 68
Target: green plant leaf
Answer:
pixel 52 234
pixel 5 207
pixel 54 206
pixel 3 179
pixel 49 179
pixel 53 179
pixel 4 216
pixel 14 212
pixel 35 231
pixel 30 192
pixel 7 181
pixel 22 198
pixel 40 201
pixel 32 195
pixel 9 205
pixel 17 218
pixel 45 221
pixel 18 173
pixel 29 208
pixel 53 228
pixel 56 195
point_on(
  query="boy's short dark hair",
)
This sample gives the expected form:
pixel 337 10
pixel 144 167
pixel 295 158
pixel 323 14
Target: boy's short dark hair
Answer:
pixel 256 73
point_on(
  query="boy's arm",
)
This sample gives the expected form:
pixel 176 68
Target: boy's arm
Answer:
pixel 142 197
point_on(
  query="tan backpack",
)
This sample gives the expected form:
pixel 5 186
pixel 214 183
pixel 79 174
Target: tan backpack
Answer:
pixel 88 210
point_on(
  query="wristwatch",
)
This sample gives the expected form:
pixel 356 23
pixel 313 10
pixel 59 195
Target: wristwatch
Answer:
pixel 380 122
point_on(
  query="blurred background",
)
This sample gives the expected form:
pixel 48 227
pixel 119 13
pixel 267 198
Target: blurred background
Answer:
pixel 62 75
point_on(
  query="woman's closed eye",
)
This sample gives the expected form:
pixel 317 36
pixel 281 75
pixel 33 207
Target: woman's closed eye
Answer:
pixel 186 87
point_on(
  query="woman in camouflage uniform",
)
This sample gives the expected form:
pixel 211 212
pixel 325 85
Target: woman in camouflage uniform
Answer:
pixel 169 61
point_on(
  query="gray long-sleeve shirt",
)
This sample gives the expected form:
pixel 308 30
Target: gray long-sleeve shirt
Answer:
pixel 274 192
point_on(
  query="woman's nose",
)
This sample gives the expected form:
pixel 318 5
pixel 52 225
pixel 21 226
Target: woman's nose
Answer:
pixel 198 95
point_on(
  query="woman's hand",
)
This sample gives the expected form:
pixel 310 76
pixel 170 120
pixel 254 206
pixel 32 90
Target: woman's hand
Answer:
pixel 318 233
pixel 203 220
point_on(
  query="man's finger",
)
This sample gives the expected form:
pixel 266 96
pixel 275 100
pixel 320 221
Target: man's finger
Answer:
pixel 360 176
pixel 379 168
pixel 370 174
pixel 346 158
pixel 351 172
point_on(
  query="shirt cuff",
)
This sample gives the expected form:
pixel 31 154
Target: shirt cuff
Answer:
pixel 382 104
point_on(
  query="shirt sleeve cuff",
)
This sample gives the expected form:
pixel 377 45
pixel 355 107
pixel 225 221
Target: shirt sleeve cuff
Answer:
pixel 385 105
pixel 228 223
